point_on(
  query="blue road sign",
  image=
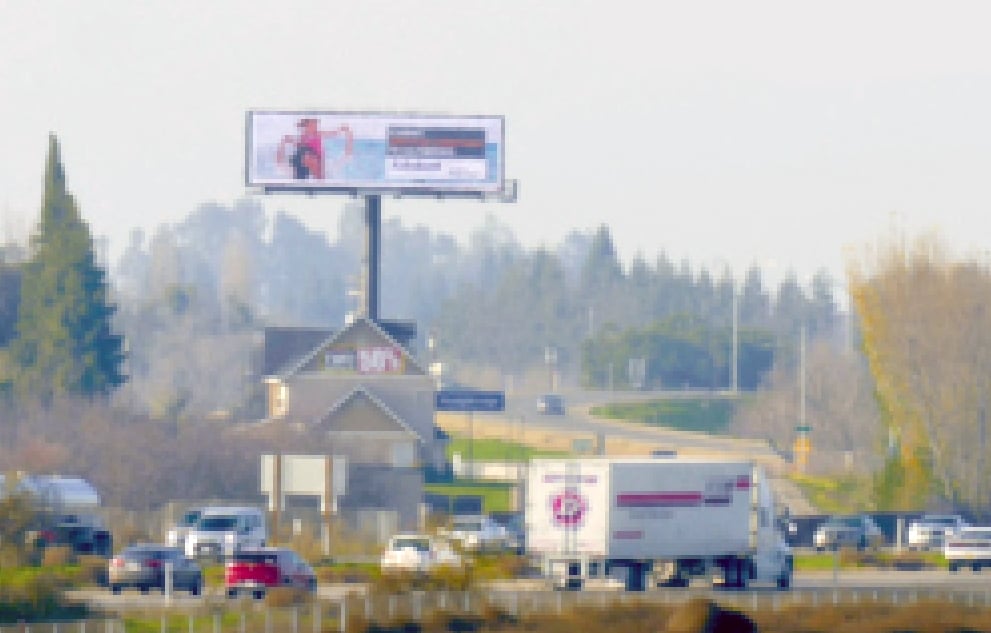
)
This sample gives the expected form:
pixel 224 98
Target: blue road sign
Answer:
pixel 466 400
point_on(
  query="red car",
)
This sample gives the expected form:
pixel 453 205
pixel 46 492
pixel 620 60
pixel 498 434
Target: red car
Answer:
pixel 254 570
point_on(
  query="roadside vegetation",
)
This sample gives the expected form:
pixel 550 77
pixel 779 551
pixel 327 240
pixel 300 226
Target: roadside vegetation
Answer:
pixel 840 494
pixel 698 415
pixel 486 449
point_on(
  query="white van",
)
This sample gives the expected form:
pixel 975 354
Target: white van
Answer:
pixel 222 531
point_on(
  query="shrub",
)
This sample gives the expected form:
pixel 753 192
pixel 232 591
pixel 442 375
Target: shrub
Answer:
pixel 286 596
pixel 56 556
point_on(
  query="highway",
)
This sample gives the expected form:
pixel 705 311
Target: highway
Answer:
pixel 819 587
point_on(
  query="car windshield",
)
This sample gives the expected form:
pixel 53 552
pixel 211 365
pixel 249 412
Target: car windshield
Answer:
pixel 468 526
pixel 851 522
pixel 418 544
pixel 256 558
pixel 941 521
pixel 190 518
pixel 217 523
pixel 148 553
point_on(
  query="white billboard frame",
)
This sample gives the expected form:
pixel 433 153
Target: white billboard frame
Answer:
pixel 377 153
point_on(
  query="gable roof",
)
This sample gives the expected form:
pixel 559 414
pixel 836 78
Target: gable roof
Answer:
pixel 283 346
pixel 361 392
pixel 294 368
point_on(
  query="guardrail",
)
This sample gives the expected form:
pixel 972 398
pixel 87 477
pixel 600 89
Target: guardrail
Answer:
pixel 347 613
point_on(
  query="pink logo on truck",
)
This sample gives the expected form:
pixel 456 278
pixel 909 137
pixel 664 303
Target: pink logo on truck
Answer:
pixel 568 508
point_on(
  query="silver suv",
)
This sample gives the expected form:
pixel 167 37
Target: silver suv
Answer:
pixel 857 531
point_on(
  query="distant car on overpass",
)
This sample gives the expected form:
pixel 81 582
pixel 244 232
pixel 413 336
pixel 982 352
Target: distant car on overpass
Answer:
pixel 550 404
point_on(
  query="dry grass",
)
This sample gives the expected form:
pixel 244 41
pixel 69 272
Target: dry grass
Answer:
pixel 702 615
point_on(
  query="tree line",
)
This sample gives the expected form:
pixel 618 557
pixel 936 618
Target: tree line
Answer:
pixel 175 341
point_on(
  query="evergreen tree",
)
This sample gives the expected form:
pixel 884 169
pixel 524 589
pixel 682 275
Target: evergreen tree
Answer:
pixel 64 343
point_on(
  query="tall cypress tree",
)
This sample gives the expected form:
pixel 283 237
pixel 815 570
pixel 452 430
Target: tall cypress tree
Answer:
pixel 64 344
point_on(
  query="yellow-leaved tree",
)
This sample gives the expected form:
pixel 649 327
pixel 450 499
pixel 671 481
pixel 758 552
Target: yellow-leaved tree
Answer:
pixel 926 331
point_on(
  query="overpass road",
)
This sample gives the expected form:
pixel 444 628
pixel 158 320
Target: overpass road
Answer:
pixel 521 423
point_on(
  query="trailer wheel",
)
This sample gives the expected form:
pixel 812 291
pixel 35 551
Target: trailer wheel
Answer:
pixel 784 581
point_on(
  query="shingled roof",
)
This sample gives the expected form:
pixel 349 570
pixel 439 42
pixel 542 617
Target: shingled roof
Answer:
pixel 284 346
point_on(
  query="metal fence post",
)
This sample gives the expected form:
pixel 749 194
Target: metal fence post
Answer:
pixel 316 617
pixel 242 624
pixel 162 627
pixel 344 614
pixel 190 622
pixel 295 620
pixel 268 620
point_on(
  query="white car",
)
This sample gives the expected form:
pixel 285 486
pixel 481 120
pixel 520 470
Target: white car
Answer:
pixel 970 547
pixel 932 529
pixel 418 553
pixel 478 533
pixel 222 531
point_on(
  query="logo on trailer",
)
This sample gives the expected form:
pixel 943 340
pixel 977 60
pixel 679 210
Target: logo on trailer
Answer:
pixel 568 508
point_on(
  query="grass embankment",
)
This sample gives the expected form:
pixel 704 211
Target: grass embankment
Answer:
pixel 496 496
pixel 698 415
pixel 847 494
pixel 492 450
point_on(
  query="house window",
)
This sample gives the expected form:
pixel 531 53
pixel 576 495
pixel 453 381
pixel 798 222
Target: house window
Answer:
pixel 278 400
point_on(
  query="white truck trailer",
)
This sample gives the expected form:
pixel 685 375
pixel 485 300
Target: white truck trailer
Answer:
pixel 654 520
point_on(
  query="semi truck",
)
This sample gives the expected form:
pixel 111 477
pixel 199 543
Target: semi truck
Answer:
pixel 652 521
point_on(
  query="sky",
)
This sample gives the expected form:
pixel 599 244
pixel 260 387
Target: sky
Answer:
pixel 782 134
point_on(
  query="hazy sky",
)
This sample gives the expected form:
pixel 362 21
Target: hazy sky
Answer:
pixel 725 132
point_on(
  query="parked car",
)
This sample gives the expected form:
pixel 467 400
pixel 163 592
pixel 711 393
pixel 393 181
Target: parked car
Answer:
pixel 550 404
pixel 857 531
pixel 478 533
pixel 223 531
pixel 418 553
pixel 255 570
pixel 932 529
pixel 143 567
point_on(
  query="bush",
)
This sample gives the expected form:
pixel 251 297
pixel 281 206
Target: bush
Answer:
pixel 286 596
pixel 56 556
pixel 93 569
pixel 34 594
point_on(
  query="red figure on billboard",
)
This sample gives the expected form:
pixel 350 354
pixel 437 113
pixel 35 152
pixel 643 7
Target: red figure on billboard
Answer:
pixel 306 149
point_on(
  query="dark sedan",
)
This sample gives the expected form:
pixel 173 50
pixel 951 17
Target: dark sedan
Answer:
pixel 144 567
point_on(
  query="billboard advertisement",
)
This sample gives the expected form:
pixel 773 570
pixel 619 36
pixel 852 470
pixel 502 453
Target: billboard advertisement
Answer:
pixel 374 152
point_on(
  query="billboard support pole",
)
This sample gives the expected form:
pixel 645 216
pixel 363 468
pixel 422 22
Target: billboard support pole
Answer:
pixel 373 237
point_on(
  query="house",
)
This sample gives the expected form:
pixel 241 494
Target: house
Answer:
pixel 371 397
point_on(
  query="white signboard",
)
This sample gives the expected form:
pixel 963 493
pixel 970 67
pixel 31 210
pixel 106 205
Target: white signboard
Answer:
pixel 380 360
pixel 374 152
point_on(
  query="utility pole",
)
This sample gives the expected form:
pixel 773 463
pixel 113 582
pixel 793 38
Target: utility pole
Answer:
pixel 735 386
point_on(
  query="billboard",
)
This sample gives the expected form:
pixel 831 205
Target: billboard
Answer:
pixel 414 153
